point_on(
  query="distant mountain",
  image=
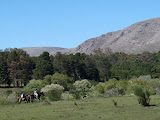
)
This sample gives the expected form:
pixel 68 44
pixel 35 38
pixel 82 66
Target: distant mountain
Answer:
pixel 36 51
pixel 137 38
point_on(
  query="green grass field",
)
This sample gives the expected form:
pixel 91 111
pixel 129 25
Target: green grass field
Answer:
pixel 86 109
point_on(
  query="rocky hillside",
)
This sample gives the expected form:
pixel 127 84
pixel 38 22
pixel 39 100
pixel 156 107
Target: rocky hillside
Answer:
pixel 139 37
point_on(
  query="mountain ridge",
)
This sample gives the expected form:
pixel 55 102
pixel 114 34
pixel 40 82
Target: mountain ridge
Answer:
pixel 134 39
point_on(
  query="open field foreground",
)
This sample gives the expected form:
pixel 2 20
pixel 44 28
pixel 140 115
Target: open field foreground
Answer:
pixel 86 109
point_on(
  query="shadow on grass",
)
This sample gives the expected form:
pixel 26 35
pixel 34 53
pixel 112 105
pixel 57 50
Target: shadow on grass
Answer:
pixel 153 105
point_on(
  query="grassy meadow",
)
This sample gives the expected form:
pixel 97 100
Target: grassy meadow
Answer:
pixel 84 109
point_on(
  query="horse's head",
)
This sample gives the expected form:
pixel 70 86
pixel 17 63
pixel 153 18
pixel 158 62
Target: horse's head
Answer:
pixel 41 93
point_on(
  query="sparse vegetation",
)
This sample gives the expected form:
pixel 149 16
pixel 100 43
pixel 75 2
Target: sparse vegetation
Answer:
pixel 88 109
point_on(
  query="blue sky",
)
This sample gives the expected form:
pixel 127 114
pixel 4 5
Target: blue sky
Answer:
pixel 67 23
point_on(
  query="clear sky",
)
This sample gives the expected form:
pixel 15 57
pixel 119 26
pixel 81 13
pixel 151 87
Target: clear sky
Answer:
pixel 67 23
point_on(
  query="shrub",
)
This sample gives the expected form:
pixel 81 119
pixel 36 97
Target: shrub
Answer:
pixel 12 98
pixel 100 88
pixel 115 87
pixel 81 88
pixel 113 92
pixel 52 87
pixel 83 85
pixel 145 77
pixel 66 96
pixel 143 95
pixel 114 103
pixel 110 84
pixel 8 92
pixel 77 95
pixel 3 100
pixel 61 79
pixel 46 81
pixel 151 85
pixel 31 86
pixel 54 95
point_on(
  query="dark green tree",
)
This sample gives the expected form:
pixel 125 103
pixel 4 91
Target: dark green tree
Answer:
pixel 4 73
pixel 43 66
pixel 19 63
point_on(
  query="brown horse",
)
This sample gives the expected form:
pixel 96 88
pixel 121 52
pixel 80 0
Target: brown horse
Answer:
pixel 25 98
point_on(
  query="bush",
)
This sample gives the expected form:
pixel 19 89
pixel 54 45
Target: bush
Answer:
pixel 62 80
pixel 83 85
pixel 112 87
pixel 100 88
pixel 46 81
pixel 81 88
pixel 143 95
pixel 31 86
pixel 54 95
pixel 52 87
pixel 145 77
pixel 77 95
pixel 12 98
pixel 3 100
pixel 114 92
pixel 151 85
pixel 66 96
pixel 110 84
pixel 8 92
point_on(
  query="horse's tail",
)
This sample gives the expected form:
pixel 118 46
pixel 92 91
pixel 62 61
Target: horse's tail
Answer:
pixel 20 99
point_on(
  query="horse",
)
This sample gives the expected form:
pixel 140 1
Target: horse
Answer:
pixel 33 97
pixel 25 98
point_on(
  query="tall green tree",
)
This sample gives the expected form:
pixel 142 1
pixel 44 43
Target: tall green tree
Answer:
pixel 103 64
pixel 43 66
pixel 4 73
pixel 19 63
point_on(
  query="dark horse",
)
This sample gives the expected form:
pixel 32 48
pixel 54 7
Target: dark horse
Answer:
pixel 33 97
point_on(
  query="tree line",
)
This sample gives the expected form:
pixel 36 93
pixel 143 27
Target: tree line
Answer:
pixel 18 68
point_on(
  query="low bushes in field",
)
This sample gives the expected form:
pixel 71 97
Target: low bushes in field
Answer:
pixel 112 87
pixel 142 88
pixel 3 100
pixel 12 98
pixel 8 99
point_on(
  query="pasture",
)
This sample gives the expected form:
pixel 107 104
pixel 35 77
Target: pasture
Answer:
pixel 84 109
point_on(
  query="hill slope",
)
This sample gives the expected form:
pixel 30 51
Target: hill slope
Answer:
pixel 139 37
